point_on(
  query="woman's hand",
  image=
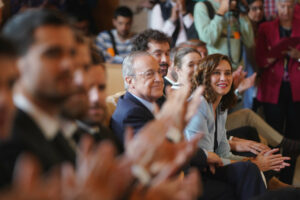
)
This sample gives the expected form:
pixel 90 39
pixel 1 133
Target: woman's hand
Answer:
pixel 213 161
pixel 242 145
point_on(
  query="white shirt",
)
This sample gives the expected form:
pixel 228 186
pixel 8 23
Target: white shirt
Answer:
pixel 68 128
pixel 146 103
pixel 47 123
pixel 157 22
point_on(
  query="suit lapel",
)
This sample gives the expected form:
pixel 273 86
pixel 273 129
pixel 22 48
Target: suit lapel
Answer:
pixel 136 101
pixel 32 138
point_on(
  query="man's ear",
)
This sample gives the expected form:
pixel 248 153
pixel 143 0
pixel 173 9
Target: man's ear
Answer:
pixel 114 21
pixel 129 80
pixel 176 69
pixel 21 63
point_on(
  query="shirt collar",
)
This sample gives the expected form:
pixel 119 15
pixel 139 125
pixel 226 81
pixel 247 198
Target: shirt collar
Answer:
pixel 48 124
pixel 69 127
pixel 90 129
pixel 146 103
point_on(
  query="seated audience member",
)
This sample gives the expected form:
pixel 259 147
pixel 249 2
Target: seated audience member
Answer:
pixel 93 122
pixel 215 72
pixel 212 19
pixel 8 76
pixel 186 61
pixel 116 44
pixel 82 110
pixel 247 117
pixel 174 19
pixel 144 84
pixel 45 44
pixel 157 44
pixel 76 105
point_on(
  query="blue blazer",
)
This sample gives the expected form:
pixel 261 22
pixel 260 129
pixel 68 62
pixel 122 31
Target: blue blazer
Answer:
pixel 130 112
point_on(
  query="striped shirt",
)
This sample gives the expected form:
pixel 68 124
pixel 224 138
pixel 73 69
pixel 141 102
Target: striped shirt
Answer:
pixel 104 43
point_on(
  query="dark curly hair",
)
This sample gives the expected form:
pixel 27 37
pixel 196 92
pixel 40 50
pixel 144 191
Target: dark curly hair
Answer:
pixel 140 42
pixel 202 77
pixel 123 11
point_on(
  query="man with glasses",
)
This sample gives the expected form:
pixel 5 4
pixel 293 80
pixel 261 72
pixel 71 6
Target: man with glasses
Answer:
pixel 144 84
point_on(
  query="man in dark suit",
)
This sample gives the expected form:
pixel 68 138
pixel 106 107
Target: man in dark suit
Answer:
pixel 92 122
pixel 144 84
pixel 8 76
pixel 45 44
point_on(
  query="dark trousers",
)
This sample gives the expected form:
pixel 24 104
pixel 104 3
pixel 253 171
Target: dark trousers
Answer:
pixel 284 116
pixel 282 194
pixel 243 177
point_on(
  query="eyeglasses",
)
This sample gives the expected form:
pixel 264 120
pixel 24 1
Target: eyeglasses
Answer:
pixel 150 74
pixel 256 8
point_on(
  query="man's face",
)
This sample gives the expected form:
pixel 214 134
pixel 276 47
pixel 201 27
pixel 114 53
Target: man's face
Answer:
pixel 256 11
pixel 147 82
pixel 161 52
pixel 47 67
pixel 8 76
pixel 285 9
pixel 123 25
pixel 96 94
pixel 77 104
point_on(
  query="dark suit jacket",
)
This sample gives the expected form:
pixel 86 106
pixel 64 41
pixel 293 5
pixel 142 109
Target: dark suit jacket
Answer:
pixel 103 133
pixel 31 139
pixel 8 154
pixel 129 112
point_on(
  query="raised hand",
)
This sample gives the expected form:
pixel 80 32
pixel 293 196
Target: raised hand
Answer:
pixel 99 174
pixel 178 188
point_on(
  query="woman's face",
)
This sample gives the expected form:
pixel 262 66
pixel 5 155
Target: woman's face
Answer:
pixel 221 78
pixel 256 11
pixel 189 63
